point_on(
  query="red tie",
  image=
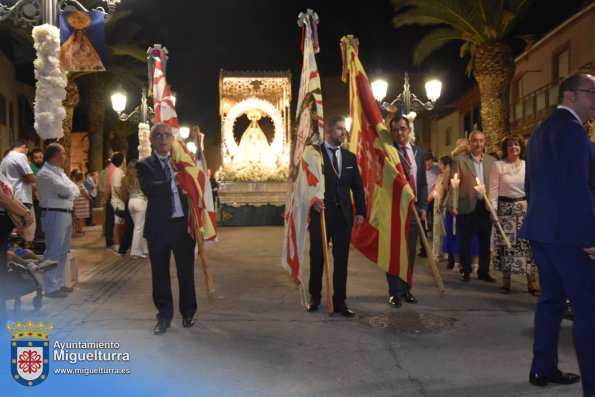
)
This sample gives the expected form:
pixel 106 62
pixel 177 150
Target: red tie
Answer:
pixel 409 164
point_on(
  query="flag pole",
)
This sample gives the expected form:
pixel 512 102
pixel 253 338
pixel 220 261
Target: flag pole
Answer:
pixel 329 289
pixel 200 245
pixel 424 240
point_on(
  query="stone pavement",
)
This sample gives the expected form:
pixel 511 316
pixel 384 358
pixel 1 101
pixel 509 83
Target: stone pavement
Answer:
pixel 253 338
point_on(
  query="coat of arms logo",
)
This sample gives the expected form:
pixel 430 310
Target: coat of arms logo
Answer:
pixel 29 352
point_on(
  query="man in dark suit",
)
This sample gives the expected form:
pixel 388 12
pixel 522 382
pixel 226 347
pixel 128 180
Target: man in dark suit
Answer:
pixel 473 215
pixel 166 231
pixel 341 177
pixel 560 225
pixel 413 160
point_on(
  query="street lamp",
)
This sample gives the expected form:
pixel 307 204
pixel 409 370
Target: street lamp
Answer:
pixel 36 12
pixel 408 100
pixel 191 147
pixel 140 114
pixel 184 132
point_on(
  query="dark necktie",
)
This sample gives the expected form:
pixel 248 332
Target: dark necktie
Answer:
pixel 335 161
pixel 167 170
pixel 409 164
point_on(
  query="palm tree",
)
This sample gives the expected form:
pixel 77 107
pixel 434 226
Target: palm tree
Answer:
pixel 483 26
pixel 124 63
pixel 70 102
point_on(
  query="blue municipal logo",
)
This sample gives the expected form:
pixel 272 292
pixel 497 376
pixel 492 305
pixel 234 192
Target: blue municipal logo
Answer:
pixel 29 352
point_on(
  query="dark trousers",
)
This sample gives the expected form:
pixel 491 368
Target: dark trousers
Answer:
pixel 396 286
pixel 430 226
pixel 175 238
pixel 478 222
pixel 5 228
pixel 564 271
pixel 339 233
pixel 92 204
pixel 126 238
pixel 38 229
pixel 108 224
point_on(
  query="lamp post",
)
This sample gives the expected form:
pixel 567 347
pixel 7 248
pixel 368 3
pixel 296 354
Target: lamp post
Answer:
pixel 138 115
pixel 36 12
pixel 408 100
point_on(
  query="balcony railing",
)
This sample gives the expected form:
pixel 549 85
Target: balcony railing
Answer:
pixel 529 110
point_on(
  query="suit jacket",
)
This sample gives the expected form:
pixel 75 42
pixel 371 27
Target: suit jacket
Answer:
pixel 557 183
pixel 154 184
pixel 463 165
pixel 592 174
pixel 338 190
pixel 421 184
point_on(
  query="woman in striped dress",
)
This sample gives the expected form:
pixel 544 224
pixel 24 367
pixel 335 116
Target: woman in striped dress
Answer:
pixel 81 204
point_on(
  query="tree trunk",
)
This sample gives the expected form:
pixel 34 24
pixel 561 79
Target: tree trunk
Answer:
pixel 494 69
pixel 69 103
pixel 96 118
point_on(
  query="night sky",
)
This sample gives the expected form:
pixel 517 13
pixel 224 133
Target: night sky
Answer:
pixel 205 36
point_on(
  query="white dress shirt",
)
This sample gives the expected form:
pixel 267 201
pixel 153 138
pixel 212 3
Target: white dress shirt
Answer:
pixel 338 155
pixel 177 211
pixel 55 189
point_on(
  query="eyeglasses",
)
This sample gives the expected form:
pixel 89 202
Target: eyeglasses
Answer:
pixel 589 91
pixel 162 135
pixel 399 129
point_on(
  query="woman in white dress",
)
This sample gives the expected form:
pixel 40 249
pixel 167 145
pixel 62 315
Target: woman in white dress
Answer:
pixel 507 194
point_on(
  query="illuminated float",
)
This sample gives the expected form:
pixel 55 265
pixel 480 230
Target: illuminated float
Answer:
pixel 253 176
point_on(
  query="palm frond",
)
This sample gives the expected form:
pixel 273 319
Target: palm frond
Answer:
pixel 122 73
pixel 461 15
pixel 432 41
pixel 128 50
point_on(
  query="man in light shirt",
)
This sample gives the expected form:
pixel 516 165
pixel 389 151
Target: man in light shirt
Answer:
pixel 15 166
pixel 57 193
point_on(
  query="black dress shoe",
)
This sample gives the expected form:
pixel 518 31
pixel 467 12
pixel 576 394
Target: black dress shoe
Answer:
pixel 187 321
pixel 465 278
pixel 559 377
pixel 410 298
pixel 394 302
pixel 161 327
pixel 313 304
pixel 66 289
pixel 344 310
pixel 487 278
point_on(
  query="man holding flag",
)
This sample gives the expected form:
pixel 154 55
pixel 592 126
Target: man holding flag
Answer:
pixel 342 177
pixel 413 161
pixel 166 230
pixel 384 234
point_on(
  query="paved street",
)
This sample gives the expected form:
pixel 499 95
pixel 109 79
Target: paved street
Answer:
pixel 254 339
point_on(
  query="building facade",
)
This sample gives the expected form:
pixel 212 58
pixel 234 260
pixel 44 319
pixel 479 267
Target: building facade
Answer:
pixel 567 49
pixel 16 105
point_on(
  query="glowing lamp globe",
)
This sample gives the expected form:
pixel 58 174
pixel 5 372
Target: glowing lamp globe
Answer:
pixel 119 102
pixel 433 89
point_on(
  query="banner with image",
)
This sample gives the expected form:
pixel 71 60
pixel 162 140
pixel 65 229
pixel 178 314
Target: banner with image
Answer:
pixel 82 38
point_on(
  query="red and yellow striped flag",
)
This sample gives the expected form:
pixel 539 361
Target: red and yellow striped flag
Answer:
pixel 192 180
pixel 389 199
